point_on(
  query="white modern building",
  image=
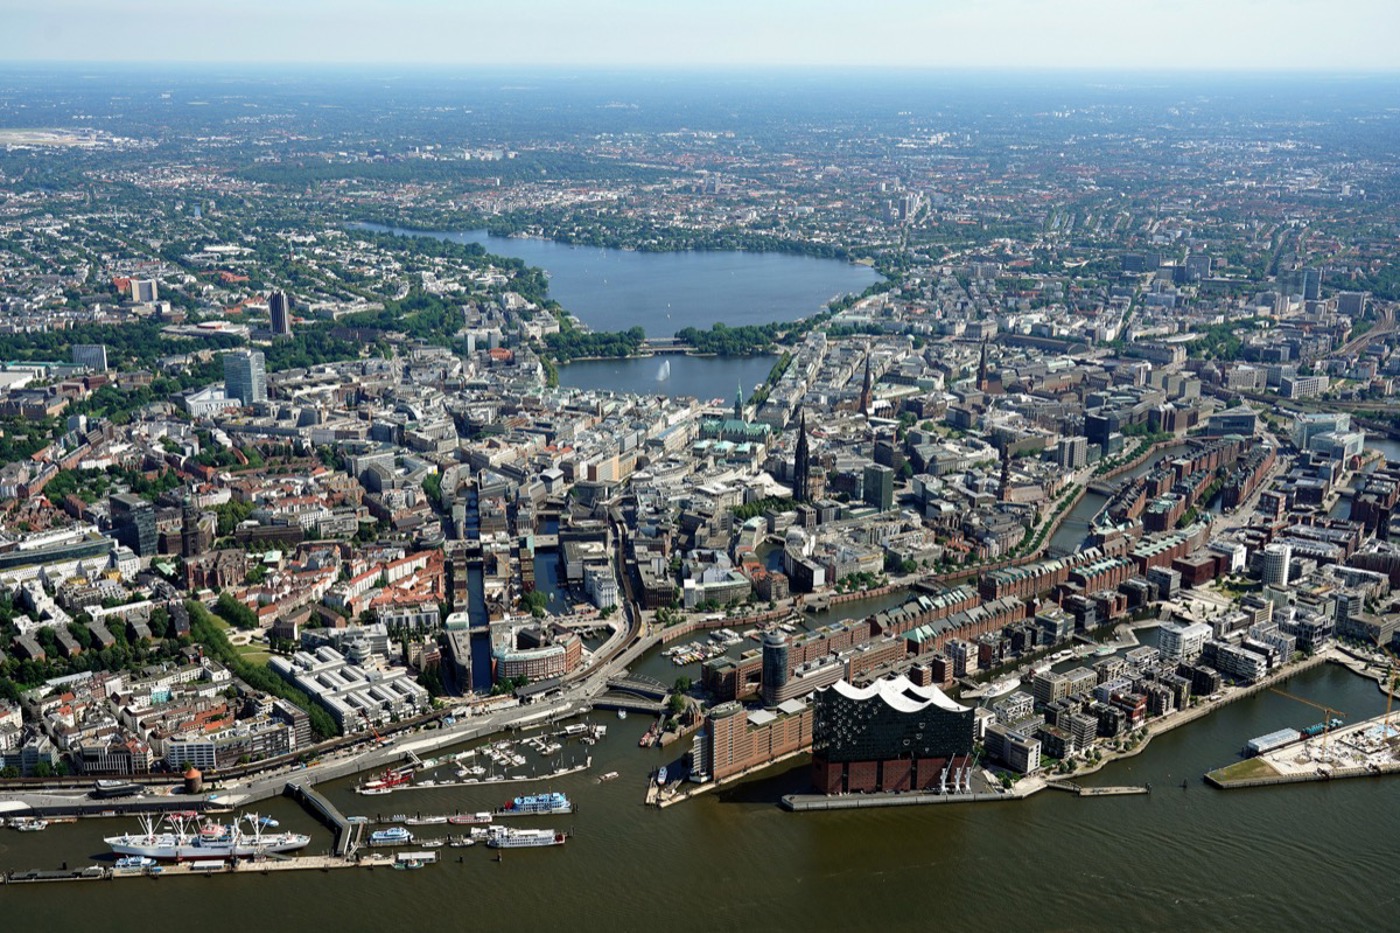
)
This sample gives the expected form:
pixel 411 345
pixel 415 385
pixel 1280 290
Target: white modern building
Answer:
pixel 1183 643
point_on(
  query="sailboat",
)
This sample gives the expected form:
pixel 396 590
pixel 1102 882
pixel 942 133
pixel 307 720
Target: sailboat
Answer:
pixel 664 372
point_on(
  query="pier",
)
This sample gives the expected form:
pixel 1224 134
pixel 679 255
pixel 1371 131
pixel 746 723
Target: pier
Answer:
pixel 1114 791
pixel 346 834
pixel 260 866
pixel 803 803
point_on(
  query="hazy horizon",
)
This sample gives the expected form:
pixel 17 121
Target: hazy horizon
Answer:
pixel 1236 36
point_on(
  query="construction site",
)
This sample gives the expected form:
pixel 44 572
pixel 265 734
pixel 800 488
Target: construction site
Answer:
pixel 1330 750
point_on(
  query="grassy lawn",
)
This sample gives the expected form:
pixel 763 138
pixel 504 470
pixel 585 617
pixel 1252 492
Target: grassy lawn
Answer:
pixel 1246 770
pixel 252 653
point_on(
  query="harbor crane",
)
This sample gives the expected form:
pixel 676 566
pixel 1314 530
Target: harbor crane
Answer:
pixel 1328 712
pixel 1390 690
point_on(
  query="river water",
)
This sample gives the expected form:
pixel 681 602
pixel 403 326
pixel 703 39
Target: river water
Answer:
pixel 615 289
pixel 1289 858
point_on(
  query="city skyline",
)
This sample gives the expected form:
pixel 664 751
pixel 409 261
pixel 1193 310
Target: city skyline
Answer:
pixel 1234 35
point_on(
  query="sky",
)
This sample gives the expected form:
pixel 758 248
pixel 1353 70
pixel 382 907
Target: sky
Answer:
pixel 1272 35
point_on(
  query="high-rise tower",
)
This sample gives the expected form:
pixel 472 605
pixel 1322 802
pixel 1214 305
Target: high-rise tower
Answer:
pixel 279 309
pixel 245 376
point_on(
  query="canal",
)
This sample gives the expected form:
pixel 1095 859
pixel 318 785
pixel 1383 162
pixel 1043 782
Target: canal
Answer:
pixel 1074 530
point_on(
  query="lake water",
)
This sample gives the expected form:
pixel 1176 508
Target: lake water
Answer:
pixel 703 377
pixel 615 289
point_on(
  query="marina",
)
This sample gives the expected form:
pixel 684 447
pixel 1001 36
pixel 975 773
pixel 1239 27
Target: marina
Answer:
pixel 1002 833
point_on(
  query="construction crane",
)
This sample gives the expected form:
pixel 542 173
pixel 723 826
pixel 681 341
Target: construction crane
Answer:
pixel 378 739
pixel 1389 691
pixel 1328 711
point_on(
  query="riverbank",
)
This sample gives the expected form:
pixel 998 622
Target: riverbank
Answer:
pixel 1176 720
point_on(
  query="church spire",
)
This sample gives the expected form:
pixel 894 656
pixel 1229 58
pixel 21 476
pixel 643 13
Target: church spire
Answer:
pixel 1006 472
pixel 982 369
pixel 739 403
pixel 802 463
pixel 866 386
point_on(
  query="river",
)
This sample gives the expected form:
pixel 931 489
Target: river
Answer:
pixel 1288 858
pixel 615 289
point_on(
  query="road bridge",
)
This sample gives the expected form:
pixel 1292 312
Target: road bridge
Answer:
pixel 631 704
pixel 639 685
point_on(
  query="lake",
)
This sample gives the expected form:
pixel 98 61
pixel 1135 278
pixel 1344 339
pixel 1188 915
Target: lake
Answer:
pixel 615 289
pixel 704 377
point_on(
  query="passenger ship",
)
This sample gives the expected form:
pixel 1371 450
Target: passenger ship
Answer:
pixel 505 837
pixel 185 836
pixel 549 803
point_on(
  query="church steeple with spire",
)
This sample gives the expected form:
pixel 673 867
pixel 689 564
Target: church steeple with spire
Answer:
pixel 1006 473
pixel 739 403
pixel 982 369
pixel 802 463
pixel 865 390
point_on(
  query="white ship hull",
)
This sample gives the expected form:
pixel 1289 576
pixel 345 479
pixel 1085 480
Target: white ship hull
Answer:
pixel 187 837
pixel 174 850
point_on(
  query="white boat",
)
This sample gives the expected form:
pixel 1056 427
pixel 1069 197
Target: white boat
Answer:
pixel 186 836
pixel 611 775
pixel 432 843
pixel 393 836
pixel 1002 687
pixel 461 819
pixel 622 714
pixel 134 863
pixel 425 820
pixel 30 825
pixel 505 837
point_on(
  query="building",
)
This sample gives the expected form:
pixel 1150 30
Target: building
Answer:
pixel 534 652
pixel 879 487
pixel 1182 644
pixel 735 740
pixel 1072 453
pixel 134 523
pixel 144 291
pixel 775 666
pixel 1275 564
pixel 245 376
pixel 279 308
pixel 92 356
pixel 1241 420
pixel 601 586
pixel 357 696
pixel 1307 425
pixel 890 736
